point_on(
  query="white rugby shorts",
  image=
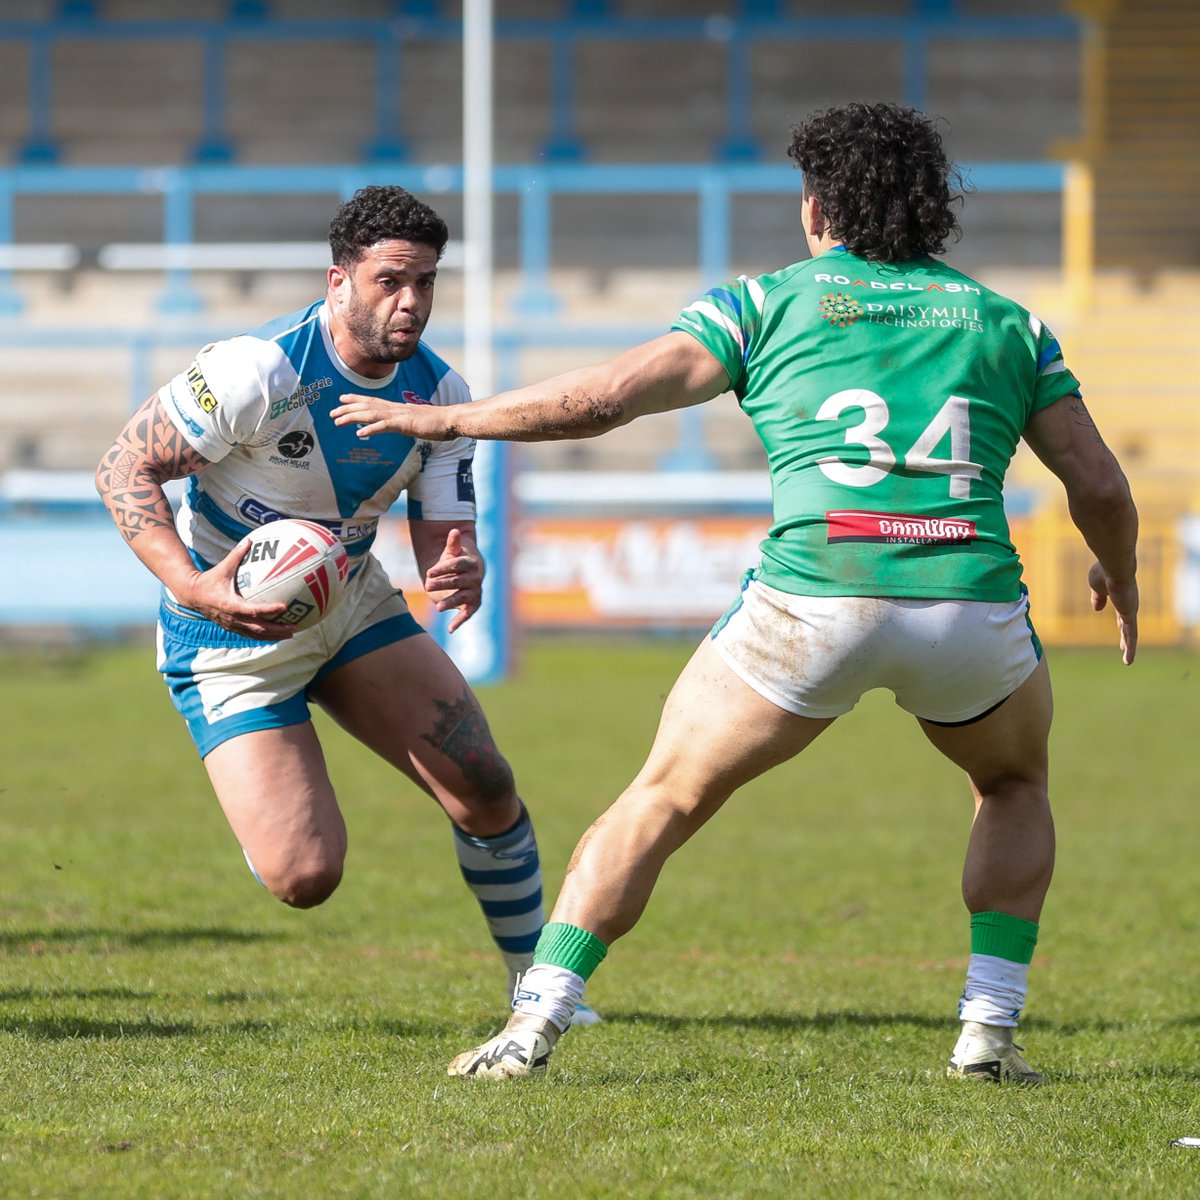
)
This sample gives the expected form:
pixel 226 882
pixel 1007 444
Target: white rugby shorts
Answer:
pixel 948 661
pixel 224 684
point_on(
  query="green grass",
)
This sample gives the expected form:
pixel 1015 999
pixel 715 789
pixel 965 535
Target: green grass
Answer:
pixel 776 1025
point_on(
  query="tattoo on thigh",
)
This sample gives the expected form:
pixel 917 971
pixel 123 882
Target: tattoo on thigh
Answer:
pixel 462 735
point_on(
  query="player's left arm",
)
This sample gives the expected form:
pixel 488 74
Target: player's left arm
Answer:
pixel 1064 436
pixel 670 372
pixel 450 565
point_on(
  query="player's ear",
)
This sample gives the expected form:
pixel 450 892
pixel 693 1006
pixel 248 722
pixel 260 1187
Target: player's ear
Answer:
pixel 338 280
pixel 811 216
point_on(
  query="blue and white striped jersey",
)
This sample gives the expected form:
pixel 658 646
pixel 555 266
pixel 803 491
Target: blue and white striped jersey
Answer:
pixel 257 408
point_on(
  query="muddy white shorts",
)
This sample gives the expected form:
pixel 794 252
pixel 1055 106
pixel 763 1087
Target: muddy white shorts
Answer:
pixel 225 684
pixel 948 661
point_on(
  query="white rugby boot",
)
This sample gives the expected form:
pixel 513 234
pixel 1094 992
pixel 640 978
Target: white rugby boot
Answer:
pixel 584 1015
pixel 520 1050
pixel 988 1053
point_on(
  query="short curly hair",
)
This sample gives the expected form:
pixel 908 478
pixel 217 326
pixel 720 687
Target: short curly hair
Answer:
pixel 377 214
pixel 882 179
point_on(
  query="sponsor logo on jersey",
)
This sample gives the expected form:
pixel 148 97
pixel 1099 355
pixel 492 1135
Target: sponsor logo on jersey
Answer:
pixel 301 398
pixel 293 447
pixel 191 426
pixel 900 286
pixel 839 310
pixel 201 392
pixel 925 316
pixel 413 398
pixel 466 481
pixel 363 454
pixel 897 528
pixel 348 531
pixel 256 512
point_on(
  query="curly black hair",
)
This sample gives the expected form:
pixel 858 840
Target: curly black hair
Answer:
pixel 882 179
pixel 376 214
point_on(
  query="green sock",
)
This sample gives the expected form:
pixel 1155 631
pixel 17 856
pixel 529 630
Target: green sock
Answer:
pixel 1003 936
pixel 569 947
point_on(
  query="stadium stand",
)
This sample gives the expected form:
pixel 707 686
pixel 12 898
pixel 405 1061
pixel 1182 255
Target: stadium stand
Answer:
pixel 600 105
pixel 177 91
pixel 1132 336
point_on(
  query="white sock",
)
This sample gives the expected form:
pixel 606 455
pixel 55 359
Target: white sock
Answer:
pixel 551 993
pixel 995 991
pixel 517 965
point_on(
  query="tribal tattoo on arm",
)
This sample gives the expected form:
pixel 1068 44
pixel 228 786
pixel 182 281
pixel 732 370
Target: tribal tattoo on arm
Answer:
pixel 147 452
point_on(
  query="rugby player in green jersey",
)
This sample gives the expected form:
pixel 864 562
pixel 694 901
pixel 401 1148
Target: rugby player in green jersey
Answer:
pixel 890 393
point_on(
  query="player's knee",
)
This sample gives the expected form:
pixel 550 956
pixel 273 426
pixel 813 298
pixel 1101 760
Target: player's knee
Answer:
pixel 494 789
pixel 489 804
pixel 303 885
pixel 1015 791
pixel 307 889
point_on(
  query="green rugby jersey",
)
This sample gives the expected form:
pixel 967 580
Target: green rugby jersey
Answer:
pixel 890 398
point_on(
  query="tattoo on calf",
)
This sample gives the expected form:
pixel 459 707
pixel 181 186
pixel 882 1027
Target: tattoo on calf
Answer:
pixel 462 735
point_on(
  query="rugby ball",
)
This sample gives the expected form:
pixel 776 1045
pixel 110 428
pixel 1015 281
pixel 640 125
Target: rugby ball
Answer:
pixel 297 563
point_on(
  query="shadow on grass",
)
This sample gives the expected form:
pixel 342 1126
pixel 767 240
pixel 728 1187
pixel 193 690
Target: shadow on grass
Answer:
pixel 15 995
pixel 60 941
pixel 776 1021
pixel 423 1026
pixel 851 1019
pixel 67 1029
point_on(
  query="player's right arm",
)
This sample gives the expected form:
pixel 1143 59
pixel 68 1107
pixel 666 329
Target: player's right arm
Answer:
pixel 147 453
pixel 669 372
pixel 1064 436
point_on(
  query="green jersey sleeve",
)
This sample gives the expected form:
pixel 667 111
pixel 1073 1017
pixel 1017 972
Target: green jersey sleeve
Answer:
pixel 725 321
pixel 1054 380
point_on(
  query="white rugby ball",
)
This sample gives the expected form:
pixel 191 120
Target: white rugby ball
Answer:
pixel 297 563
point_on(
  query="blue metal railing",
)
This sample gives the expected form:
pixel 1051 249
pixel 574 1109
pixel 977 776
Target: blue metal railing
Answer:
pixel 536 188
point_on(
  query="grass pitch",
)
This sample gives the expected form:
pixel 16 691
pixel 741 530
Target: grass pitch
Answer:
pixel 776 1026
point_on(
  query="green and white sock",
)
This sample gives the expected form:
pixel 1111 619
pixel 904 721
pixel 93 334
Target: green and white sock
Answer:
pixel 997 971
pixel 553 986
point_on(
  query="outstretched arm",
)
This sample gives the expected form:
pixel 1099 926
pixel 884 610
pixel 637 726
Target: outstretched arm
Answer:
pixel 673 371
pixel 149 451
pixel 1066 439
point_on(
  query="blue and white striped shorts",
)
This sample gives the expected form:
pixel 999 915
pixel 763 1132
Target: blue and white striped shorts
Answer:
pixel 224 684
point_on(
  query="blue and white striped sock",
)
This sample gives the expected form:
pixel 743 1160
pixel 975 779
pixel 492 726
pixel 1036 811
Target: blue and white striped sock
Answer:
pixel 504 874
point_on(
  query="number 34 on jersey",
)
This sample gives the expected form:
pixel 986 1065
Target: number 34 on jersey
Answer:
pixel 953 418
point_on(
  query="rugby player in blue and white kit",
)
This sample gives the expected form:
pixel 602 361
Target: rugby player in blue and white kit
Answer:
pixel 247 425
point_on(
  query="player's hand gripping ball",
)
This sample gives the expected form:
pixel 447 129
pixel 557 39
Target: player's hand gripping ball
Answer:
pixel 297 563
